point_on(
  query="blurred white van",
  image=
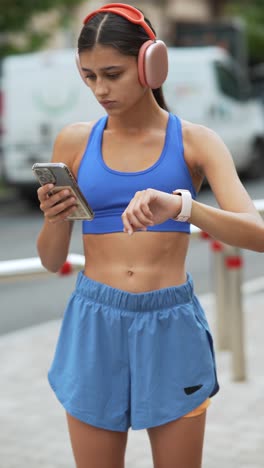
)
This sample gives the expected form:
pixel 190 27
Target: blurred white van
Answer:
pixel 206 86
pixel 43 92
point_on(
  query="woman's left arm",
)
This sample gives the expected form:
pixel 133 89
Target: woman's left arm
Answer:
pixel 237 222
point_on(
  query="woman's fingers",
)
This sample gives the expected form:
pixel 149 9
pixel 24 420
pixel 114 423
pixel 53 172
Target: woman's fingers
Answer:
pixel 138 214
pixel 60 211
pixel 56 207
pixel 43 192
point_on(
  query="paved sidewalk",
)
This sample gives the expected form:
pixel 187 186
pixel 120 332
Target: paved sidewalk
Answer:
pixel 33 432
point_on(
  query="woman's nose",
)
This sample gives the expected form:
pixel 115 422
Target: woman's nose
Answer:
pixel 101 88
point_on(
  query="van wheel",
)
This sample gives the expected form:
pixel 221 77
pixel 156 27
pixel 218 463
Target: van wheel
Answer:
pixel 256 168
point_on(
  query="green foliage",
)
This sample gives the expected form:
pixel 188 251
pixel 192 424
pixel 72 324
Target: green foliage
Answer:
pixel 15 14
pixel 16 18
pixel 252 12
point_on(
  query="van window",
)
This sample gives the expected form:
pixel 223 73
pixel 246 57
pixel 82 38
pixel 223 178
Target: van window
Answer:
pixel 231 83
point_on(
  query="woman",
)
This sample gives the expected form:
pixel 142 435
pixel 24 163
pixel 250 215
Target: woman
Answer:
pixel 135 348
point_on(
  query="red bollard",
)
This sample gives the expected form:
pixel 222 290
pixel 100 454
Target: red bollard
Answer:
pixel 217 246
pixel 221 295
pixel 204 235
pixel 66 269
pixel 234 263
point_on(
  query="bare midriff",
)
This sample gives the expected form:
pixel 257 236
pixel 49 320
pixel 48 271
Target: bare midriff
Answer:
pixel 142 262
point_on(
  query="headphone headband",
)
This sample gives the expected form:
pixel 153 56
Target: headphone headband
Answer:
pixel 127 11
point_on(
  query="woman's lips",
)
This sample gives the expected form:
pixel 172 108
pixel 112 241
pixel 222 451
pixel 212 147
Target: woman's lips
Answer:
pixel 107 104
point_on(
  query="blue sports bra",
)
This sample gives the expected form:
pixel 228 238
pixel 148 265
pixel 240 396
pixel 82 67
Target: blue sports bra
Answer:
pixel 109 191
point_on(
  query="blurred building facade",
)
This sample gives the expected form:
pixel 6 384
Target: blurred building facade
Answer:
pixel 164 15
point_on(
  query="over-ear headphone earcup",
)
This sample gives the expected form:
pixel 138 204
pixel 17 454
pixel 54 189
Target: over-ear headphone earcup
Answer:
pixel 153 64
pixel 77 59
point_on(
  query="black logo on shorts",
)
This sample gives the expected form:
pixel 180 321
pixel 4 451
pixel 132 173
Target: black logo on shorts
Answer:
pixel 191 390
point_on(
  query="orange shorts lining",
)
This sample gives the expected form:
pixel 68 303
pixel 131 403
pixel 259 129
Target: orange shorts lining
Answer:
pixel 199 410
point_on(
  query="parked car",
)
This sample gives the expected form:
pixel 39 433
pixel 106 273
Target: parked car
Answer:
pixel 42 93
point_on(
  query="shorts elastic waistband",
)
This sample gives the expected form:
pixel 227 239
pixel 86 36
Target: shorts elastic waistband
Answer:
pixel 138 302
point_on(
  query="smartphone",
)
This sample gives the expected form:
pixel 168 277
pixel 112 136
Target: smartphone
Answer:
pixel 60 175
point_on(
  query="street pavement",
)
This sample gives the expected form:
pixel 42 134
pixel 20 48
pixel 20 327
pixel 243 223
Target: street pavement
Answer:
pixel 33 432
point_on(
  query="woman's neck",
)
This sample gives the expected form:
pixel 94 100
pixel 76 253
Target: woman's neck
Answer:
pixel 145 114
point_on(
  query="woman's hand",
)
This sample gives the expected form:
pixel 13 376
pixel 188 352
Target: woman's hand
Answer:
pixel 150 207
pixel 56 207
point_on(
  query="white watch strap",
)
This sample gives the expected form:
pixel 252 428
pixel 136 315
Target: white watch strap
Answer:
pixel 186 209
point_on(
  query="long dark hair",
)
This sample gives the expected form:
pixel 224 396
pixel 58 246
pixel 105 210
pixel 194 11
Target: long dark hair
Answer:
pixel 110 29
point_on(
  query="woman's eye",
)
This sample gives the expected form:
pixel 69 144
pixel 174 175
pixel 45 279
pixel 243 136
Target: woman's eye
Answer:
pixel 110 77
pixel 113 77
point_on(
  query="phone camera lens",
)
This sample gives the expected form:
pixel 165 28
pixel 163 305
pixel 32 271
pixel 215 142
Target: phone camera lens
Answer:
pixel 49 177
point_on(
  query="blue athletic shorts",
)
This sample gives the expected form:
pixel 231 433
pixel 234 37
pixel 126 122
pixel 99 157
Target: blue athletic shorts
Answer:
pixel 132 359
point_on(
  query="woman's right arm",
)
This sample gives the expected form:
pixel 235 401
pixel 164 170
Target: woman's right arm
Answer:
pixel 54 238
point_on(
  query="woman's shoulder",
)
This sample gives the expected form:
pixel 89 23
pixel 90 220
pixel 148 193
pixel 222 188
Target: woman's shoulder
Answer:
pixel 204 151
pixel 199 141
pixel 195 133
pixel 71 142
pixel 73 135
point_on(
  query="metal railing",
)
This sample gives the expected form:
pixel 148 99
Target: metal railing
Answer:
pixel 228 264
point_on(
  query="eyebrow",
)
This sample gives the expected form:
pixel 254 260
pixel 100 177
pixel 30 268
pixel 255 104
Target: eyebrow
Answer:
pixel 113 67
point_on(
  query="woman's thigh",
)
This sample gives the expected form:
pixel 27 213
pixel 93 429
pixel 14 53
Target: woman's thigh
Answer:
pixel 94 447
pixel 179 443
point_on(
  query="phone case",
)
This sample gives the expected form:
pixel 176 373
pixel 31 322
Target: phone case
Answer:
pixel 60 175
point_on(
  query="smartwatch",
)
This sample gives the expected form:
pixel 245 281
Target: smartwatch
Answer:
pixel 186 208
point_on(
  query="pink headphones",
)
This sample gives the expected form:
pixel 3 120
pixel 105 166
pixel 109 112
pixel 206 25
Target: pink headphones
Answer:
pixel 153 55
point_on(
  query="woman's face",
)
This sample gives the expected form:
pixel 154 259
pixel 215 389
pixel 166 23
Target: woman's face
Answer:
pixel 112 77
